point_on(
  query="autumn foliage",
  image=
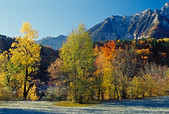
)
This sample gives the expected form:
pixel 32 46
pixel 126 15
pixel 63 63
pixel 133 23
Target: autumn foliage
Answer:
pixel 20 64
pixel 83 71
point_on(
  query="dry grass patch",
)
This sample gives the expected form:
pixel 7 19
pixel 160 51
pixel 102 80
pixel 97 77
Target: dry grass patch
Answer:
pixel 73 104
pixel 1 103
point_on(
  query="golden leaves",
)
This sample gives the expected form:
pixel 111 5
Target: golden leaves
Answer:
pixel 143 51
pixel 25 54
pixel 32 95
pixel 28 31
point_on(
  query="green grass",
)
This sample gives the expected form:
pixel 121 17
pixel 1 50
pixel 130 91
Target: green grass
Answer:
pixel 73 104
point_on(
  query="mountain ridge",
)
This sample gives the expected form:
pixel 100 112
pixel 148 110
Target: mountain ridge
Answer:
pixel 144 24
pixel 54 42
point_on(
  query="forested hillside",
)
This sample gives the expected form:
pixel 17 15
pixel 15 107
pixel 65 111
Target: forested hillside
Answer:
pixel 82 70
pixel 117 70
pixel 5 43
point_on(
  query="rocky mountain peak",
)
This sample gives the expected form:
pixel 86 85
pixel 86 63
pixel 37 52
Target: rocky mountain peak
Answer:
pixel 164 11
pixel 143 24
pixel 165 7
pixel 147 10
pixel 166 4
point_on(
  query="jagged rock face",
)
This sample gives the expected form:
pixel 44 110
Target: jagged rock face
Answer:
pixel 144 24
pixel 111 28
pixel 164 11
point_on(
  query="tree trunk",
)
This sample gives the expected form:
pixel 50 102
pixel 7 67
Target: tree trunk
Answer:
pixel 124 94
pixel 98 97
pixel 132 93
pixel 116 93
pixel 102 94
pixel 75 95
pixel 25 81
pixel 143 95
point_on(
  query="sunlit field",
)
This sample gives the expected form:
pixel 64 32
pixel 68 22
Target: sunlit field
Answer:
pixel 149 105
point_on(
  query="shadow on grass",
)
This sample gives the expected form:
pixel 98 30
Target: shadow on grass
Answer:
pixel 159 102
pixel 94 110
pixel 22 111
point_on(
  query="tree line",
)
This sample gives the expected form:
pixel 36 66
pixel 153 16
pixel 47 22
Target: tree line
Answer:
pixel 84 70
pixel 108 70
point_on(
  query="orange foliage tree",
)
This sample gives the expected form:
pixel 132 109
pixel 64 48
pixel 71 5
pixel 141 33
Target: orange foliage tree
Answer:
pixel 104 72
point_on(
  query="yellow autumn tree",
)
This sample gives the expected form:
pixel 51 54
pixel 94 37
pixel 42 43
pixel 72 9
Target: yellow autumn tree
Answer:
pixel 26 53
pixel 145 86
pixel 77 59
pixel 7 77
pixel 3 68
pixel 8 71
pixel 32 95
pixel 135 88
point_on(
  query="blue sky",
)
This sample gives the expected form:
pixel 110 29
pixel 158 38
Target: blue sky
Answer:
pixel 56 17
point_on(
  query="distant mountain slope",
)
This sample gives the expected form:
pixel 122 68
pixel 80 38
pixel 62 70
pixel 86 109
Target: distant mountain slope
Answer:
pixel 54 42
pixel 144 24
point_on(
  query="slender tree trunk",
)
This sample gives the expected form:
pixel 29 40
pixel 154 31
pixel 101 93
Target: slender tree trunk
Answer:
pixel 98 97
pixel 143 95
pixel 117 94
pixel 114 94
pixel 25 81
pixel 102 94
pixel 116 91
pixel 99 92
pixel 137 94
pixel 124 94
pixel 132 93
pixel 150 93
pixel 75 94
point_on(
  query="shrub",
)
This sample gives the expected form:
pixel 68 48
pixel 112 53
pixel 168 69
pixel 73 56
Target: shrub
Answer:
pixel 55 94
pixel 6 94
